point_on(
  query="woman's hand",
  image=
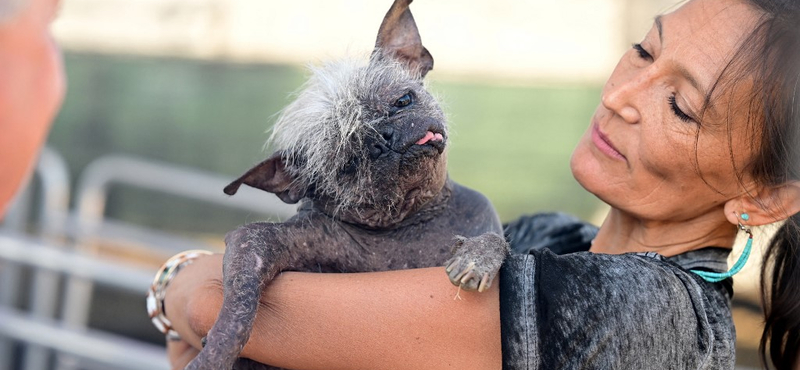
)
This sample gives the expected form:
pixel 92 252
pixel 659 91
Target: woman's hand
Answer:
pixel 194 297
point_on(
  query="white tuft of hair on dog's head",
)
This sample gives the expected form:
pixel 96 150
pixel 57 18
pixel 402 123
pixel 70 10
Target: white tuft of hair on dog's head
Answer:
pixel 319 132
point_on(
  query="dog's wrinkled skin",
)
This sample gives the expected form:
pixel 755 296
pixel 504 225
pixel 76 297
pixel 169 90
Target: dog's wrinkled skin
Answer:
pixel 362 148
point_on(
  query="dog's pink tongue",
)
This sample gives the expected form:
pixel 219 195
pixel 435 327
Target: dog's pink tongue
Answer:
pixel 430 136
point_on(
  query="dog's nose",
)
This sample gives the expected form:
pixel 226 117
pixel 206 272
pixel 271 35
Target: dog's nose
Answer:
pixel 379 147
pixel 388 134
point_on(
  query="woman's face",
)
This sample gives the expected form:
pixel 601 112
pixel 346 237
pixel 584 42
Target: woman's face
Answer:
pixel 32 86
pixel 643 153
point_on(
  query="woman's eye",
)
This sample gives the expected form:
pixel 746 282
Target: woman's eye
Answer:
pixel 404 101
pixel 642 53
pixel 677 110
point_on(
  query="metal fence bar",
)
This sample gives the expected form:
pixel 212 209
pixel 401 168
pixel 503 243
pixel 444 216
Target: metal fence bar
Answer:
pixel 116 351
pixel 11 273
pixel 153 241
pixel 54 178
pixel 169 179
pixel 22 250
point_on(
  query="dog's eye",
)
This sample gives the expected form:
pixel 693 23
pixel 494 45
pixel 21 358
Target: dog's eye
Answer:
pixel 404 101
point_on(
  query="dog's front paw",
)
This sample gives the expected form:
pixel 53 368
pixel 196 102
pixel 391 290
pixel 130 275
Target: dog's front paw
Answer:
pixel 476 261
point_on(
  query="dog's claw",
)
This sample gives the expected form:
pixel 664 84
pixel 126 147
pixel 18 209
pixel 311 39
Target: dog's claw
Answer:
pixel 486 282
pixel 469 276
pixel 452 265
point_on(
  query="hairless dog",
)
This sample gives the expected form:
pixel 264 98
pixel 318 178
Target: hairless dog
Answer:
pixel 362 149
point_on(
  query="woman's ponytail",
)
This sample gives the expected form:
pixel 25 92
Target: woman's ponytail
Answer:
pixel 780 280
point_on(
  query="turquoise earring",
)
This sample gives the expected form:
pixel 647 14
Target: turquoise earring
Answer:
pixel 713 277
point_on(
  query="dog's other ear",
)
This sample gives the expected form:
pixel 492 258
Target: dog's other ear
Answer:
pixel 399 38
pixel 270 175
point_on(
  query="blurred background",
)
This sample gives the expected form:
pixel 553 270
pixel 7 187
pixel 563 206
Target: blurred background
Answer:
pixel 168 100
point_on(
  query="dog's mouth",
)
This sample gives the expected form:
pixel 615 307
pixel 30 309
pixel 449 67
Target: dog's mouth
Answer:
pixel 433 138
pixel 423 140
pixel 430 136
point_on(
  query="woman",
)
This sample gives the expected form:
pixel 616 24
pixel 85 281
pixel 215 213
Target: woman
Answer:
pixel 32 85
pixel 694 140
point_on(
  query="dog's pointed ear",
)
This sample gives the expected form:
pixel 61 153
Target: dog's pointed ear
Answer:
pixel 399 38
pixel 270 175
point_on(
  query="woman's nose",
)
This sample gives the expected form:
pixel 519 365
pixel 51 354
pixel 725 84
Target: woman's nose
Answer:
pixel 621 96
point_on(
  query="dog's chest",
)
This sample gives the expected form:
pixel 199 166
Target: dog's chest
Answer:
pixel 405 249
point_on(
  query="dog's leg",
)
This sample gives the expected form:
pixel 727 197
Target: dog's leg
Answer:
pixel 247 364
pixel 254 254
pixel 476 261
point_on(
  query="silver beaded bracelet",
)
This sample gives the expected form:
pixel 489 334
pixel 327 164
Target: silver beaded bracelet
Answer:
pixel 157 291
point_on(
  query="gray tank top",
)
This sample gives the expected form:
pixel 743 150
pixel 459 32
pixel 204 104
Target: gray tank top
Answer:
pixel 562 307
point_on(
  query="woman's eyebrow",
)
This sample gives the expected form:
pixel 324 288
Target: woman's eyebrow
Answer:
pixel 660 28
pixel 681 69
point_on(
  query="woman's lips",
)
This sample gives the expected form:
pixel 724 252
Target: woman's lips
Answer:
pixel 602 143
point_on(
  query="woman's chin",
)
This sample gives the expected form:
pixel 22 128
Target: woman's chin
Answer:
pixel 585 168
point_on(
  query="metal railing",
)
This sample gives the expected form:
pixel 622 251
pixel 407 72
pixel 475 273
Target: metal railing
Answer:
pixel 92 192
pixel 54 179
pixel 62 248
pixel 86 344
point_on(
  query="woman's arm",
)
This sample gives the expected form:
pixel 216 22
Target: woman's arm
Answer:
pixel 409 319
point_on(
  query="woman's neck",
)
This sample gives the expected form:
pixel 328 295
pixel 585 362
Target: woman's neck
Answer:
pixel 623 233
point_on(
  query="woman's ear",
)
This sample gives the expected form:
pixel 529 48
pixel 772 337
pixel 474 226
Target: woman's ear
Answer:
pixel 770 204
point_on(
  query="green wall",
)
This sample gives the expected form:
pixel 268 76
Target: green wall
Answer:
pixel 511 143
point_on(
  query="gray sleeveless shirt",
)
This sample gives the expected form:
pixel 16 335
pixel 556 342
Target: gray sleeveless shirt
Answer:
pixel 562 307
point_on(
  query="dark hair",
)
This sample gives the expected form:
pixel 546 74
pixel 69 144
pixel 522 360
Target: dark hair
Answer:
pixel 770 58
